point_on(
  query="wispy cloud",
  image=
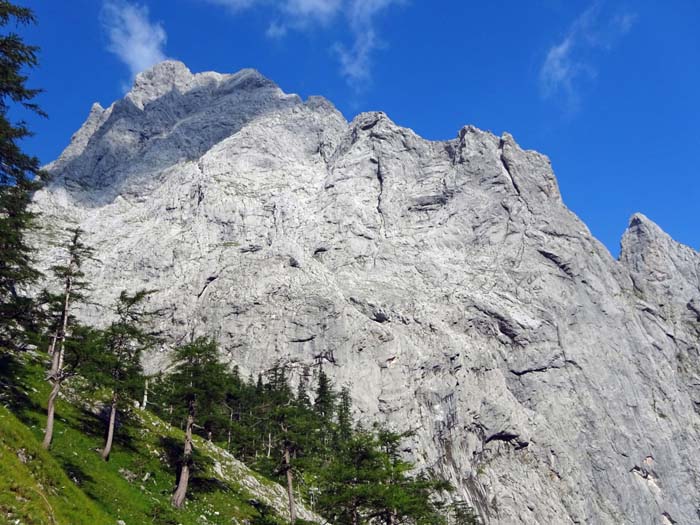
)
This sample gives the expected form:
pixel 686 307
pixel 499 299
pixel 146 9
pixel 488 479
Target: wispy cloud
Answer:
pixel 311 10
pixel 356 61
pixel 359 17
pixel 571 61
pixel 133 38
pixel 295 12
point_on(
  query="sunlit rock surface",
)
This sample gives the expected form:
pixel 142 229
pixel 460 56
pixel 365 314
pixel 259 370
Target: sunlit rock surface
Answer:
pixel 444 282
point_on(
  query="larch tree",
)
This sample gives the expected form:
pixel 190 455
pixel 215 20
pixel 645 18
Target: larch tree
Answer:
pixel 368 482
pixel 20 176
pixel 116 364
pixel 59 317
pixel 198 387
pixel 295 426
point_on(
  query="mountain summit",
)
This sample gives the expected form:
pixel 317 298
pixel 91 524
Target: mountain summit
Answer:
pixel 445 283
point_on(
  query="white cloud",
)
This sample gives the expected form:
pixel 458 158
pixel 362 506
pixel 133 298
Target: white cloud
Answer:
pixel 133 38
pixel 356 62
pixel 357 15
pixel 297 11
pixel 569 62
pixel 313 10
pixel 625 21
pixel 276 30
pixel 235 5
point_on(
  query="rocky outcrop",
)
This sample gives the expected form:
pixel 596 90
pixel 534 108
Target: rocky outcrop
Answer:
pixel 445 283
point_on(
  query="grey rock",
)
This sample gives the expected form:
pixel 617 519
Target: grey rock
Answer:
pixel 446 283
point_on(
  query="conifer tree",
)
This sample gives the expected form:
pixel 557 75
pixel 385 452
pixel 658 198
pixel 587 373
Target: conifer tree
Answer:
pixel 302 394
pixel 325 398
pixel 116 363
pixel 461 513
pixel 324 408
pixel 295 429
pixel 368 482
pixel 198 386
pixel 59 316
pixel 344 416
pixel 19 177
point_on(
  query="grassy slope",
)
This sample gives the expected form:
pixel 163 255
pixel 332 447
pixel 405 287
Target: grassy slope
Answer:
pixel 33 486
pixel 75 486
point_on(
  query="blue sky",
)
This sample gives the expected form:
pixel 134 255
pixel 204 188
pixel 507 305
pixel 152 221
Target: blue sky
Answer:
pixel 609 90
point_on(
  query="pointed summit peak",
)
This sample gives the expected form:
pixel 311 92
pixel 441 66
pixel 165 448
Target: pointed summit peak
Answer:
pixel 641 220
pixel 167 70
pixel 642 231
pixel 160 79
pixel 369 119
pixel 644 244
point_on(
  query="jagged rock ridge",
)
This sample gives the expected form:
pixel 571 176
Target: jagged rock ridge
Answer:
pixel 445 282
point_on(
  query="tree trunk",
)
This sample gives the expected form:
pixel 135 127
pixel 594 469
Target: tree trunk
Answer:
pixel 110 429
pixel 61 332
pixel 181 491
pixel 230 423
pixel 290 487
pixel 52 347
pixel 55 377
pixel 144 402
pixel 51 410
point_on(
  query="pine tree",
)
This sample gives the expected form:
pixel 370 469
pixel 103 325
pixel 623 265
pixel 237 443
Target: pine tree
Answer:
pixel 60 320
pixel 198 383
pixel 19 178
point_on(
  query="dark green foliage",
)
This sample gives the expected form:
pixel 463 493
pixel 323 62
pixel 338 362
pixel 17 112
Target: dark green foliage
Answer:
pixel 133 486
pixel 111 358
pixel 368 481
pixel 302 390
pixel 59 318
pixel 461 513
pixel 198 379
pixel 69 277
pixel 19 178
pixel 325 397
pixel 344 431
pixel 197 390
pixel 344 472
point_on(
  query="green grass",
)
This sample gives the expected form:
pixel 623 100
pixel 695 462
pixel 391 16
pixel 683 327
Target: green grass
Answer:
pixel 72 485
pixel 34 488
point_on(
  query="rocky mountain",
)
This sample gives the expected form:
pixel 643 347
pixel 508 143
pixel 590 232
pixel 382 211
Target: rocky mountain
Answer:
pixel 446 283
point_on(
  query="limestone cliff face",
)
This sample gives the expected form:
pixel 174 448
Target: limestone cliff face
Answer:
pixel 444 282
